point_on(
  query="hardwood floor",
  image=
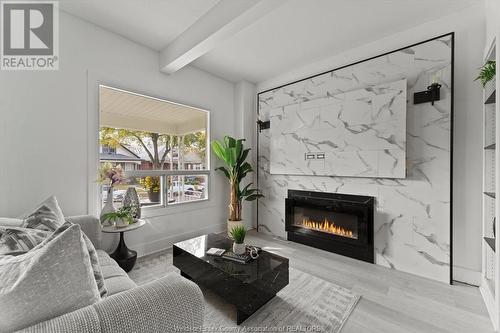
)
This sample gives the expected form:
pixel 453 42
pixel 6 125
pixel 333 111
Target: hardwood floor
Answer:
pixel 391 301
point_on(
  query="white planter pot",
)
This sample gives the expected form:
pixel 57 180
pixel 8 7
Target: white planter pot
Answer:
pixel 232 224
pixel 108 207
pixel 239 248
pixel 121 223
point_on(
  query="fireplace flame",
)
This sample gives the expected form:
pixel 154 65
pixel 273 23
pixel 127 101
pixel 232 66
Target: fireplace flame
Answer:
pixel 327 226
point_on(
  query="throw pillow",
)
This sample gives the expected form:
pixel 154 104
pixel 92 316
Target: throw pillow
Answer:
pixel 10 222
pixel 52 279
pixel 96 267
pixel 15 241
pixel 94 261
pixel 48 216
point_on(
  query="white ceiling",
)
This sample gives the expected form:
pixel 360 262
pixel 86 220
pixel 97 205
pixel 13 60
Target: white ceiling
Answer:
pixel 153 23
pixel 303 31
pixel 293 34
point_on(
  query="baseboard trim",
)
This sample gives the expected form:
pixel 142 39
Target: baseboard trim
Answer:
pixel 143 249
pixel 490 303
pixel 465 275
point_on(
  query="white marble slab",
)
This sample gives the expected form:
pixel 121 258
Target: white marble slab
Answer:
pixel 360 133
pixel 412 218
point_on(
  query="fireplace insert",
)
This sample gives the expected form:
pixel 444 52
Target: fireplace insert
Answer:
pixel 339 223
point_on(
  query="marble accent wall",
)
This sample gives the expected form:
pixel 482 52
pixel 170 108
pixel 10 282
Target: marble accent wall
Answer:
pixel 412 219
pixel 360 133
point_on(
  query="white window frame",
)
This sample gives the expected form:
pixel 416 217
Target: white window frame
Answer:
pixel 165 208
pixel 163 174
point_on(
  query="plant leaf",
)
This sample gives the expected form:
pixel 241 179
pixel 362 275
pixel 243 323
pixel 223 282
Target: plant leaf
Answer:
pixel 243 156
pixel 487 72
pixel 232 157
pixel 251 191
pixel 254 197
pixel 219 150
pixel 224 170
pixel 244 192
pixel 239 148
pixel 229 141
pixel 244 170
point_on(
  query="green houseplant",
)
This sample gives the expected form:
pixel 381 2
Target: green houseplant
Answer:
pixel 487 72
pixel 121 218
pixel 238 234
pixel 232 153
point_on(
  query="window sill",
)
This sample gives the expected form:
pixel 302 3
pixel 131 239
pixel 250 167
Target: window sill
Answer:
pixel 152 212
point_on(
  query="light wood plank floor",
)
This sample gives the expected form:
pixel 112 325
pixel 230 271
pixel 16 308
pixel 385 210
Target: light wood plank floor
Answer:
pixel 391 301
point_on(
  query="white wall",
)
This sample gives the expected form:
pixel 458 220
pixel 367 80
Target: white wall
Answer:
pixel 48 128
pixel 245 127
pixel 492 9
pixel 469 26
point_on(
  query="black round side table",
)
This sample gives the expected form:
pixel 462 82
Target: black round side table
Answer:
pixel 124 256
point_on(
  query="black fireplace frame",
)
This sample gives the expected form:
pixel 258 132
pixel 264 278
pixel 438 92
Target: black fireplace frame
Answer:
pixel 362 206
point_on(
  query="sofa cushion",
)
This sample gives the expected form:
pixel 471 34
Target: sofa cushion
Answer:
pixel 105 259
pixel 48 216
pixel 15 240
pixel 54 278
pixel 115 279
pixel 117 284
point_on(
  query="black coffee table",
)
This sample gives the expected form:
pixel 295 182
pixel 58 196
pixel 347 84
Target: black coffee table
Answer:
pixel 247 286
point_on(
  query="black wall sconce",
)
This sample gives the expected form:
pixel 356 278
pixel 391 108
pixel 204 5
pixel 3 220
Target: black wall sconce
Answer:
pixel 432 94
pixel 263 125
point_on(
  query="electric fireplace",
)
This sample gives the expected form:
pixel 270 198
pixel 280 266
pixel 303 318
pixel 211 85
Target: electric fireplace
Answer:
pixel 339 223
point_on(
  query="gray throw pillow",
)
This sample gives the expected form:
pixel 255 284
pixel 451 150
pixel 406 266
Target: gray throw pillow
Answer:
pixel 15 241
pixel 94 261
pixel 96 267
pixel 52 279
pixel 48 216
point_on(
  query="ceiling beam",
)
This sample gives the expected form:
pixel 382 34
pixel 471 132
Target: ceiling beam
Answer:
pixel 223 21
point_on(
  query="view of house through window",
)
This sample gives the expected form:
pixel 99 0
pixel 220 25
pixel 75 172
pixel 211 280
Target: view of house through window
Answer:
pixel 160 146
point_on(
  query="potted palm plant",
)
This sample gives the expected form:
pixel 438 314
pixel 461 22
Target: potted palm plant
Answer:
pixel 233 154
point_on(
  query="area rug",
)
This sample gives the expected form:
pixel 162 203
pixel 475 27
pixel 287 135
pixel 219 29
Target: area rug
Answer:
pixel 307 304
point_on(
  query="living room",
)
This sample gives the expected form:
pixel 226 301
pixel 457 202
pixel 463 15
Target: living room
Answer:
pixel 249 165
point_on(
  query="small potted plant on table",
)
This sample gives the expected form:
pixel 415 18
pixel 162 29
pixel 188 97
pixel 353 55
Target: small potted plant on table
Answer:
pixel 238 234
pixel 121 218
